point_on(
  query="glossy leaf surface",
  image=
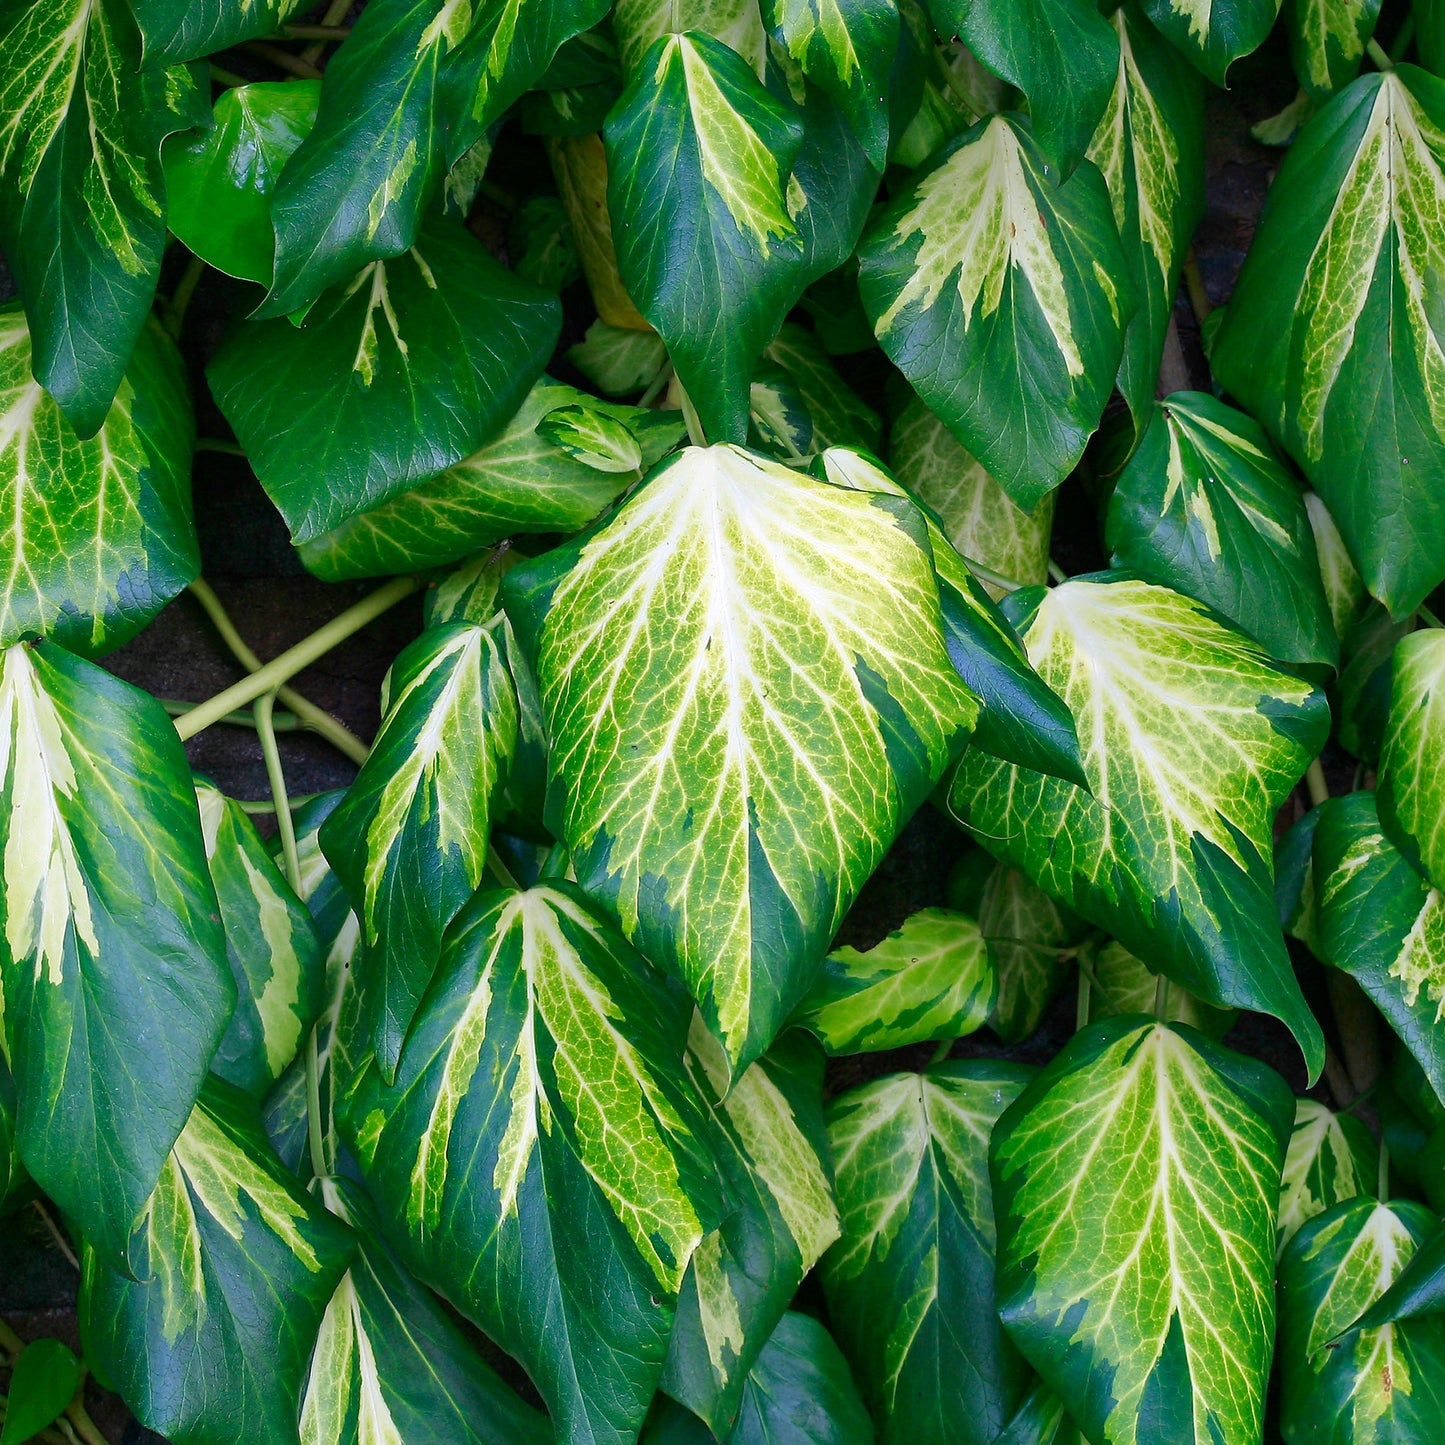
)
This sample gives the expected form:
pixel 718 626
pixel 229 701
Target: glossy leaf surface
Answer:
pixel 1213 33
pixel 1331 1158
pixel 1411 787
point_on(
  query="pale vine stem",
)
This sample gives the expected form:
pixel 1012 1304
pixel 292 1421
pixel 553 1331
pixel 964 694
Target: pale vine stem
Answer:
pixel 1429 616
pixel 1057 575
pixel 1161 998
pixel 181 297
pixel 1383 1184
pixel 1376 52
pixel 296 65
pixel 53 1229
pixel 658 384
pixel 335 13
pixel 317 719
pixel 994 579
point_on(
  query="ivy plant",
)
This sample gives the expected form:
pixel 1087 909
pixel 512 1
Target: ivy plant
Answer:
pixel 898 894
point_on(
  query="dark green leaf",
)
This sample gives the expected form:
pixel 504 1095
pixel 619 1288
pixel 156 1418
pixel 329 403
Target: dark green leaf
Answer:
pixel 187 29
pixel 43 1379
pixel 1361 697
pixel 540 245
pixel 1412 760
pixel 1327 41
pixel 839 416
pixel 1214 33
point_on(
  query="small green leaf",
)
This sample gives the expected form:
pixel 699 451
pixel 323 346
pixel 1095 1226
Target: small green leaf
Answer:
pixel 43 1380
pixel 910 1282
pixel 188 29
pixel 1123 984
pixel 1381 1384
pixel 1213 33
pixel 409 841
pixel 592 436
pixel 219 181
pixel 112 960
pixel 1412 761
pixel 927 981
pixel 1205 506
pixel 395 375
pixel 1331 1157
pixel 618 361
pixel 1327 41
pixel 233 1266
pixel 1003 296
pixel 1135 1183
pixel 540 245
pixel 1169 849
pixel 100 535
pixel 728 820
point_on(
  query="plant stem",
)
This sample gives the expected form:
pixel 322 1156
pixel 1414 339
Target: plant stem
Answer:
pixel 1315 782
pixel 273 674
pixel 80 1420
pixel 228 78
pixel 695 433
pixel 53 1229
pixel 334 14
pixel 557 863
pixel 283 722
pixel 181 296
pixel 296 65
pixel 1199 301
pixel 219 444
pixel 1161 998
pixel 503 873
pixel 1429 616
pixel 315 32
pixel 659 382
pixel 1057 573
pixel 10 1342
pixel 1338 1078
pixel 265 807
pixel 987 574
pixel 276 776
pixel 1081 1008
pixel 1376 52
pixel 944 1048
pixel 1383 1184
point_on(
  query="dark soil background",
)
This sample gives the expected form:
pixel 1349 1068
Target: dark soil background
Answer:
pixel 250 563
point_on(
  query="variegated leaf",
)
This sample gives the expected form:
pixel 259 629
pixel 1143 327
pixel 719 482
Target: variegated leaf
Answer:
pixel 1333 336
pixel 738 24
pixel 189 29
pixel 1412 761
pixel 548 1169
pixel 409 841
pixel 99 535
pixel 1191 740
pixel 1331 1158
pixel 1344 589
pixel 1123 984
pixel 1002 296
pixel 1213 33
pixel 233 1266
pixel 840 417
pixel 1135 1183
pixel 728 818
pixel 112 959
pixel 1327 41
pixel 592 436
pixel 910 1282
pixel 619 361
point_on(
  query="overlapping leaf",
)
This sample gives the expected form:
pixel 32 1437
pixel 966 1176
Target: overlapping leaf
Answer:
pixel 1003 296
pixel 1331 1158
pixel 910 1284
pixel 12 1171
pixel 397 374
pixel 1411 788
pixel 839 416
pixel 188 29
pixel 1333 336
pixel 1344 588
pixel 1214 33
pixel 1135 1183
pixel 1120 983
pixel 82 208
pixel 1206 507
pixel 539 1154
pixel 112 962
pixel 99 535
pixel 1327 41
pixel 747 693
pixel 409 841
pixel 1191 741
pixel 233 1266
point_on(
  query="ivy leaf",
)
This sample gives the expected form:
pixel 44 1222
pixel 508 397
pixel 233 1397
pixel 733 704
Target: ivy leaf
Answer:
pixel 1170 853
pixel 1205 506
pixel 1327 41
pixel 1002 296
pixel 617 360
pixel 772 1150
pixel 1343 586
pixel 639 24
pixel 839 415
pixel 728 821
pixel 592 435
pixel 1331 1158
pixel 174 30
pixel 233 1266
pixel 1331 339
pixel 219 181
pixel 390 1366
pixel 929 980
pixel 113 963
pixel 699 157
pixel 517 482
pixel 1125 985
pixel 1361 697
pixel 1060 53
pixel 397 374
pixel 82 209
pixel 1214 33
pixel 910 1282
pixel 1386 1383
pixel 1411 787
pixel 1382 923
pixel 43 1379
pixel 1041 1420
pixel 799 1390
pixel 12 1171
pixel 409 841
pixel 847 48
pixel 100 535
pixel 1150 147
pixel 546 1166
pixel 1145 1300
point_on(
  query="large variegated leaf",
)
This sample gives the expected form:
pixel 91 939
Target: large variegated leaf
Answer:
pixel 233 1266
pixel 1331 1157
pixel 1384 1384
pixel 1135 1183
pixel 1412 760
pixel 1002 296
pixel 188 29
pixel 1150 147
pixel 931 979
pixel 390 1368
pixel 699 158
pixel 409 841
pixel 1380 921
pixel 98 534
pixel 910 1282
pixel 82 210
pixel 545 1164
pixel 1205 506
pixel 112 960
pixel 1333 337
pixel 396 374
pixel 1214 33
pixel 1191 741
pixel 1327 41
pixel 772 1153
pixel 516 482
pixel 275 954
pixel 729 816
pixel 1060 53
